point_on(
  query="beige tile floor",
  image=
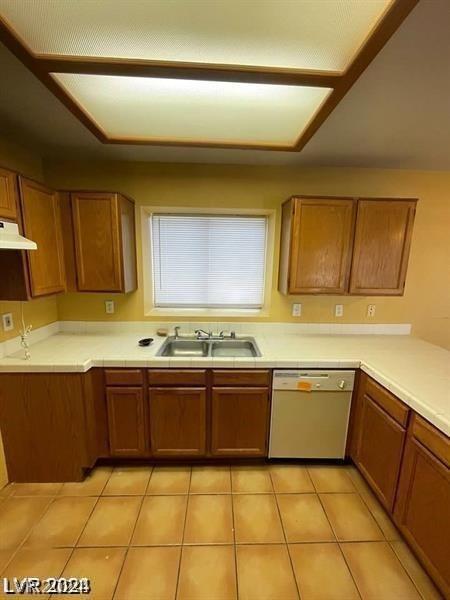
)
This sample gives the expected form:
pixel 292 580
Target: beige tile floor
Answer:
pixel 275 532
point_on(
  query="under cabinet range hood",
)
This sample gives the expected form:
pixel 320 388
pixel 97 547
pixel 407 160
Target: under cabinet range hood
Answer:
pixel 10 239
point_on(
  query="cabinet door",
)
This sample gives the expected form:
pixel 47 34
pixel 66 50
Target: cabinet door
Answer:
pixel 321 246
pixel 178 421
pixel 42 224
pixel 97 242
pixel 382 242
pixel 422 510
pixel 8 194
pixel 379 450
pixel 126 421
pixel 239 421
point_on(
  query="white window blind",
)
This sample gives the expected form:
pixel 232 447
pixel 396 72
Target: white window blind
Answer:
pixel 208 261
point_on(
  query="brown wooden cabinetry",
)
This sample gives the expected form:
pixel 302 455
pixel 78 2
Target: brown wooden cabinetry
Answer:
pixel 422 510
pixel 178 421
pixel 8 195
pixel 345 245
pixel 105 244
pixel 42 223
pixel 381 251
pixel 239 421
pixel 379 438
pixel 126 421
pixel 32 273
pixel 316 245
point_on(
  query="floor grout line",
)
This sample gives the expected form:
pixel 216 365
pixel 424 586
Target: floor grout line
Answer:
pixel 286 541
pixel 234 536
pixel 182 535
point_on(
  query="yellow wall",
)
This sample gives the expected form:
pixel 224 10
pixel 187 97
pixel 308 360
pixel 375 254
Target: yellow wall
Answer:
pixel 36 312
pixel 426 300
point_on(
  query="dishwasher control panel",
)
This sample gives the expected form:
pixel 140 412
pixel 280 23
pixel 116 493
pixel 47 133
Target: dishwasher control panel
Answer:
pixel 313 380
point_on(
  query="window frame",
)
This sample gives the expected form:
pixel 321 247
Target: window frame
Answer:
pixel 147 262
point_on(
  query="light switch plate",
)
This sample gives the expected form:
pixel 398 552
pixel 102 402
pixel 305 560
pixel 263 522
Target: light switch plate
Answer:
pixel 109 307
pixel 371 310
pixel 339 310
pixel 296 309
pixel 8 322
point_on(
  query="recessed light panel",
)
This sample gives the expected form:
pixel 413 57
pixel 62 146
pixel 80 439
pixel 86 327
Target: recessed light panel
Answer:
pixel 200 111
pixel 319 35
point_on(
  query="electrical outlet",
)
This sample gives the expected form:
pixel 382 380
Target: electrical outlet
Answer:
pixel 296 310
pixel 8 322
pixel 371 310
pixel 109 307
pixel 339 310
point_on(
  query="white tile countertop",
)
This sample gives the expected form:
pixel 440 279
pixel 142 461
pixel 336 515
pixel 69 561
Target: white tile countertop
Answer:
pixel 415 371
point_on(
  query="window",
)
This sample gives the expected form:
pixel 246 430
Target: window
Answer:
pixel 208 261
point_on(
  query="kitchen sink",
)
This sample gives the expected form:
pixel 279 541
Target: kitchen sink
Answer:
pixel 173 347
pixel 240 348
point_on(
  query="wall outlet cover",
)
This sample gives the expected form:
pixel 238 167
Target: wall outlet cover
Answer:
pixel 296 309
pixel 109 307
pixel 8 322
pixel 371 310
pixel 339 310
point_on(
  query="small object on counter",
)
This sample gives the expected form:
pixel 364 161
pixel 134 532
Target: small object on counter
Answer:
pixel 162 332
pixel 145 341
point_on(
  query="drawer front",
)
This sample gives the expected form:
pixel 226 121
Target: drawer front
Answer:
pixel 176 377
pixel 123 377
pixel 388 402
pixel 231 377
pixel 434 440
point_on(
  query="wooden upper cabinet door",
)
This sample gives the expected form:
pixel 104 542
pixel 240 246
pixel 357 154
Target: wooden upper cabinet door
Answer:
pixel 126 421
pixel 42 224
pixel 382 243
pixel 239 421
pixel 422 510
pixel 178 421
pixel 97 242
pixel 379 450
pixel 321 246
pixel 8 194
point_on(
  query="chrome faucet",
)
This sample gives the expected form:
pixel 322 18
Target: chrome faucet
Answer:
pixel 202 334
pixel 177 331
pixel 232 335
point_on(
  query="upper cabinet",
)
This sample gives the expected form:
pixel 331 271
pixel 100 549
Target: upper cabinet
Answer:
pixel 381 251
pixel 31 273
pixel 345 245
pixel 8 195
pixel 42 223
pixel 317 237
pixel 105 245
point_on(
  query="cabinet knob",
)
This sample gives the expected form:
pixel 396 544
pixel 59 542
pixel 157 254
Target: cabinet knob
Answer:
pixel 341 384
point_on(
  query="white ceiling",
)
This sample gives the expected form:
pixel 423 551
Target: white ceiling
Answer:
pixel 397 114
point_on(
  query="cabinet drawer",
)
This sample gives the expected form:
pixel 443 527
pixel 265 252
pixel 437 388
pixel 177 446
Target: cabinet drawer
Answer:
pixel 123 377
pixel 435 441
pixel 388 402
pixel 173 377
pixel 231 377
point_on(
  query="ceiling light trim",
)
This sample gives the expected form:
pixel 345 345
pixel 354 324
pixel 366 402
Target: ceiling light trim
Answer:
pixel 43 65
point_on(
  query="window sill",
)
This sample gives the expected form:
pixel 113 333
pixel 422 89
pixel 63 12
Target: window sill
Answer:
pixel 206 312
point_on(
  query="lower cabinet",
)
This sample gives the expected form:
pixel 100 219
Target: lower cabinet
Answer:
pixel 380 439
pixel 239 421
pixel 126 421
pixel 422 511
pixel 178 421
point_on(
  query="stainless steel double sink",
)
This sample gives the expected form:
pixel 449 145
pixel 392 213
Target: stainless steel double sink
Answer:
pixel 198 348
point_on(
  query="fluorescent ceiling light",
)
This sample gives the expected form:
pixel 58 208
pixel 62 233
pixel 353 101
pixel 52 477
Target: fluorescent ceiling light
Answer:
pixel 204 111
pixel 320 35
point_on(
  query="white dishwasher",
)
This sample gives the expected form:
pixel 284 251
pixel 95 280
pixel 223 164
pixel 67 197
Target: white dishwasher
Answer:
pixel 310 412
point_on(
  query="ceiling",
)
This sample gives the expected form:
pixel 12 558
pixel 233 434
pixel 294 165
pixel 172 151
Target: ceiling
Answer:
pixel 396 115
